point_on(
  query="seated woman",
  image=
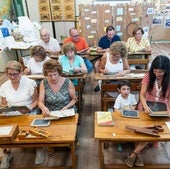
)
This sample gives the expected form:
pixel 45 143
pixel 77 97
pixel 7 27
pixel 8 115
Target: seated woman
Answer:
pixel 56 93
pixel 35 64
pixel 17 91
pixel 71 62
pixel 115 61
pixel 155 87
pixel 138 43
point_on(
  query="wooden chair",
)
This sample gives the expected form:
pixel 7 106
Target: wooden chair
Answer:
pixel 106 99
pixel 139 58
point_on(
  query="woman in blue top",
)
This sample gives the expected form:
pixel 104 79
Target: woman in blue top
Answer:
pixel 71 62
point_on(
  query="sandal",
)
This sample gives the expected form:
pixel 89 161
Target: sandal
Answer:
pixel 130 160
pixel 139 162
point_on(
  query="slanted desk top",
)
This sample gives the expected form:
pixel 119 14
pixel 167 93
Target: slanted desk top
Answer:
pixel 118 132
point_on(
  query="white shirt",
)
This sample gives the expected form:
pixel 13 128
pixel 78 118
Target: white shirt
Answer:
pixel 121 102
pixel 52 45
pixel 113 67
pixel 21 96
pixel 36 67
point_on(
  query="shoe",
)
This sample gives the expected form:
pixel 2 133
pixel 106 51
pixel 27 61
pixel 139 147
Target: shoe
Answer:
pixel 129 161
pixel 97 88
pixel 6 158
pixel 40 156
pixel 139 162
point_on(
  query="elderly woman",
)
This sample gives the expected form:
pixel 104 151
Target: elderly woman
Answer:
pixel 138 43
pixel 56 93
pixel 71 62
pixel 115 61
pixel 35 64
pixel 16 91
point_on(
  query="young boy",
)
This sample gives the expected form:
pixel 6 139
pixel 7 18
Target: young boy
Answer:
pixel 125 100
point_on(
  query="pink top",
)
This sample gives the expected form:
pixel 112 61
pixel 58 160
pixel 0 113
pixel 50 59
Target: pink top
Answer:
pixel 152 95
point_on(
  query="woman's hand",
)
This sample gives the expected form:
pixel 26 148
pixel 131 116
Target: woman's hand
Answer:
pixel 147 110
pixel 45 111
pixel 27 71
pixel 122 73
pixel 77 70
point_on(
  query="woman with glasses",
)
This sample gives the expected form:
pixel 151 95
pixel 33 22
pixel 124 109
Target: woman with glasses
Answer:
pixel 18 90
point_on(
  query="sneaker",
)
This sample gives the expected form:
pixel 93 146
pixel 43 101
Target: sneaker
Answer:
pixel 40 156
pixel 97 88
pixel 6 158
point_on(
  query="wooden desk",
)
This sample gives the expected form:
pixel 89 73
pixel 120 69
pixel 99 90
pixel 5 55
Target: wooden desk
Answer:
pixel 78 88
pixel 135 58
pixel 63 133
pixel 118 133
pixel 134 77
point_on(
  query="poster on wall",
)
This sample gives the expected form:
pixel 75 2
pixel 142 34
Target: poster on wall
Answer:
pixel 5 9
pixel 167 22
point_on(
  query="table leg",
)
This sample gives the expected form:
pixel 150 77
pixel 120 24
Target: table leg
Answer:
pixel 101 156
pixel 73 155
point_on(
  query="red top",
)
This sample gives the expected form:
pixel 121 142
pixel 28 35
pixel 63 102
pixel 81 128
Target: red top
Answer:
pixel 80 44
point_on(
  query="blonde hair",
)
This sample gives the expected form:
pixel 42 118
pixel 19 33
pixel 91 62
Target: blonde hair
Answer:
pixel 14 65
pixel 119 47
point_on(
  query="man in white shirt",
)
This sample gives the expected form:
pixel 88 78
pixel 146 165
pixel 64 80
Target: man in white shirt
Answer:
pixel 50 44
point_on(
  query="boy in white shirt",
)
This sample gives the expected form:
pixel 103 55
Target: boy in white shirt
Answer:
pixel 125 100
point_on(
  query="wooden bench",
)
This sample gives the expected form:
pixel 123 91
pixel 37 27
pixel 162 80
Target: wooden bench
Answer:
pixel 139 58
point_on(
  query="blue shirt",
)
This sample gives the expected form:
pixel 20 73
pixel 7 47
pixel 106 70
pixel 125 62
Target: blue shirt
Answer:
pixel 105 43
pixel 64 61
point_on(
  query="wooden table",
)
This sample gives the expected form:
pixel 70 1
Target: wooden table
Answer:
pixel 63 133
pixel 118 133
pixel 134 77
pixel 79 88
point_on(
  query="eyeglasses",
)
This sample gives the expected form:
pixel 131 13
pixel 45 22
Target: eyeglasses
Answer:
pixel 13 75
pixel 75 36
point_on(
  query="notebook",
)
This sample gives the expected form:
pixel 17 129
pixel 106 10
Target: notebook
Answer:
pixel 159 109
pixel 104 118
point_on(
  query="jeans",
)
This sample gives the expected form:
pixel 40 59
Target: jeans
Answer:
pixel 88 64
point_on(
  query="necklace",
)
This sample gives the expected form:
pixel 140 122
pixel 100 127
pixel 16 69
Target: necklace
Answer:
pixel 158 91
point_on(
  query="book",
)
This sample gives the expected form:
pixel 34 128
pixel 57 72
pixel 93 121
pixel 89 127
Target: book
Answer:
pixel 104 118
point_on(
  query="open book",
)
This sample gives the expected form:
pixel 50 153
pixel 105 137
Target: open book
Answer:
pixel 54 115
pixel 104 118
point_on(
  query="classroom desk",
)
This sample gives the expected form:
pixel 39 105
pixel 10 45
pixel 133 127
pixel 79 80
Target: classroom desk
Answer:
pixel 135 58
pixel 135 77
pixel 79 88
pixel 63 133
pixel 118 133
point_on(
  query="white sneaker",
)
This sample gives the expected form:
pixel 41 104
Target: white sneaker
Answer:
pixel 40 156
pixel 6 158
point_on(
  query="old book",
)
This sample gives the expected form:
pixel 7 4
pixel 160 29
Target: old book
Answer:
pixel 104 118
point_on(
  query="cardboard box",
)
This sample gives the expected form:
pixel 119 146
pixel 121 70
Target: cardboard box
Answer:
pixel 8 133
